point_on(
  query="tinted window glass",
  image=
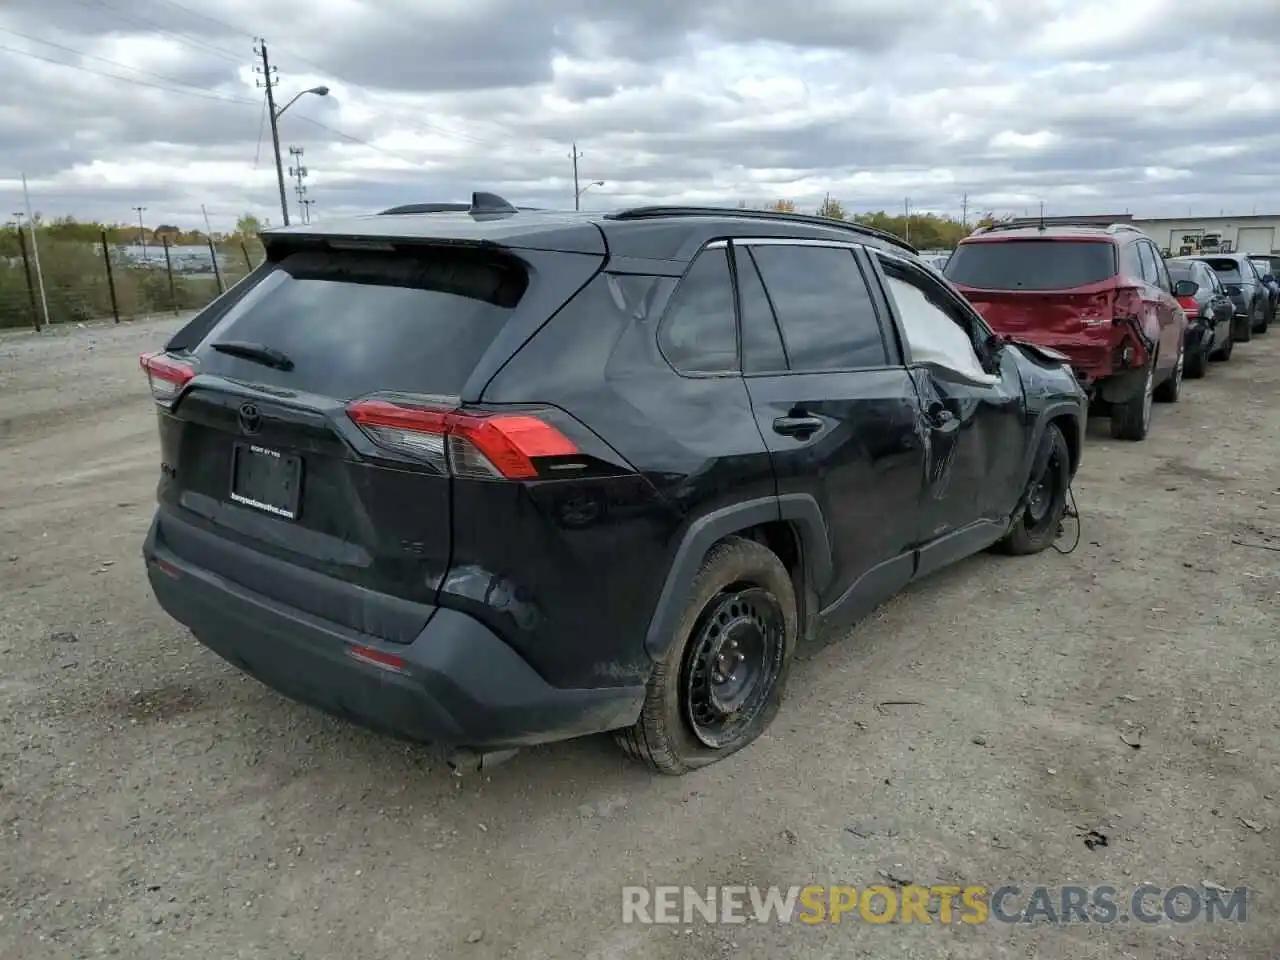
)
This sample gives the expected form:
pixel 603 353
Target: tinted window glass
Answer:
pixel 698 335
pixel 1162 269
pixel 1147 258
pixel 762 350
pixel 1228 271
pixel 1031 264
pixel 1183 271
pixel 1130 265
pixel 828 320
pixel 353 323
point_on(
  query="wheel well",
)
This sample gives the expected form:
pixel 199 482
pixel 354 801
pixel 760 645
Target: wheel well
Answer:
pixel 784 540
pixel 1071 433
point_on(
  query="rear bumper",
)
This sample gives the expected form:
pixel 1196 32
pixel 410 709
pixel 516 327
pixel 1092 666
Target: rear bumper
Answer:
pixel 460 685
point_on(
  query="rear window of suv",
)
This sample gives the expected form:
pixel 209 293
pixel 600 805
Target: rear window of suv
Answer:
pixel 356 322
pixel 1228 271
pixel 1031 264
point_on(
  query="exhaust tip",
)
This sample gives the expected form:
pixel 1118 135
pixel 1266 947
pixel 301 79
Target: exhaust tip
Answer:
pixel 463 760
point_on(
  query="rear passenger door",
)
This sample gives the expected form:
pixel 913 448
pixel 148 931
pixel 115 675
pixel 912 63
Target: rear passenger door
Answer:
pixel 1160 295
pixel 974 416
pixel 836 408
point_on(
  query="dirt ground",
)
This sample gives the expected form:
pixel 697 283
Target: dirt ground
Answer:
pixel 156 804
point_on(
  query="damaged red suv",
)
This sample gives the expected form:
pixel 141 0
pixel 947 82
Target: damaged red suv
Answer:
pixel 1100 295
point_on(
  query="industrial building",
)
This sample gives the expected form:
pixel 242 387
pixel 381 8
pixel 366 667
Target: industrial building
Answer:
pixel 1254 233
pixel 1258 233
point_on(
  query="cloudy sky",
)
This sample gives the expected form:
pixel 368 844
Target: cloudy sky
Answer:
pixel 1160 107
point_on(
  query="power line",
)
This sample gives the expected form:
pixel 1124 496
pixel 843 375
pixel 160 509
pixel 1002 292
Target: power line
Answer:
pixel 203 95
pixel 133 80
pixel 153 27
pixel 90 56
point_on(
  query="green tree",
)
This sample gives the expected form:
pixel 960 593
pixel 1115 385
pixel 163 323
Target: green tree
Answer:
pixel 832 209
pixel 248 226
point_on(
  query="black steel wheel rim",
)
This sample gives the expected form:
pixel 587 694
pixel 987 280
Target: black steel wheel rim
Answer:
pixel 1045 491
pixel 733 664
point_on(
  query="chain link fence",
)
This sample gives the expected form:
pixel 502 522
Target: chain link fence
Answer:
pixel 107 281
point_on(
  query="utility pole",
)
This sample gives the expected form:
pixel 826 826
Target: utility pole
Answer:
pixel 142 231
pixel 306 210
pixel 577 194
pixel 964 211
pixel 298 172
pixel 906 219
pixel 267 82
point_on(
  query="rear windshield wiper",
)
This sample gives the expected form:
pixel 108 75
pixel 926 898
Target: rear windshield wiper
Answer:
pixel 257 352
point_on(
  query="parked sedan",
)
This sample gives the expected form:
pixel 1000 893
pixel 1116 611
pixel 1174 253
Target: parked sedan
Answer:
pixel 1209 312
pixel 1251 297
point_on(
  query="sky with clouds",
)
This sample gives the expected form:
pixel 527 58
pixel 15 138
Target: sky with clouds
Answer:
pixel 1159 107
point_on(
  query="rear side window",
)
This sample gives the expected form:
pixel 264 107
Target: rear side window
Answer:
pixel 699 333
pixel 352 323
pixel 762 350
pixel 1031 264
pixel 823 307
pixel 1228 271
pixel 1183 271
pixel 1146 256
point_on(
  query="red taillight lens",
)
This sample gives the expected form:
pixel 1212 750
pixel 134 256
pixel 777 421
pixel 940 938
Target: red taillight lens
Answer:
pixel 166 375
pixel 486 446
pixel 1189 305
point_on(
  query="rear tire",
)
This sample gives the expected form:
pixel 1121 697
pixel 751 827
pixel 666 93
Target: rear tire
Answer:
pixel 1242 330
pixel 1131 420
pixel 1170 388
pixel 1198 362
pixel 1223 353
pixel 1037 524
pixel 741 605
pixel 1262 320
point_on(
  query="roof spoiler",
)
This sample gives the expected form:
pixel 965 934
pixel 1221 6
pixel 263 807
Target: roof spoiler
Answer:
pixel 482 204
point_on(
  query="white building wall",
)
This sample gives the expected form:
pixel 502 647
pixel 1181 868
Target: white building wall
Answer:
pixel 1247 235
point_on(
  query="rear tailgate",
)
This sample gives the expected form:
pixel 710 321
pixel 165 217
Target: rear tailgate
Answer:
pixel 260 452
pixel 1059 293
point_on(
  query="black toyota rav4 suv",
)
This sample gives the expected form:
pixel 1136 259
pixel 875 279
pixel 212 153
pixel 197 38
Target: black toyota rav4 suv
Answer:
pixel 489 477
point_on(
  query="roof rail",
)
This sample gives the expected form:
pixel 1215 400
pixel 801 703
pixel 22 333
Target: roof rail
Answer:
pixel 1056 222
pixel 643 213
pixel 482 205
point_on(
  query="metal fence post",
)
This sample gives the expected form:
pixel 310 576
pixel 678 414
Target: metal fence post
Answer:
pixel 168 266
pixel 111 280
pixel 31 287
pixel 217 274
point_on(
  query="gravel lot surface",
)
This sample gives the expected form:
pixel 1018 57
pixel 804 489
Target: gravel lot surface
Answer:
pixel 154 803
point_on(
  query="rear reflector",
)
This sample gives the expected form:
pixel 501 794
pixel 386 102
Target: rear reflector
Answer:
pixel 372 655
pixel 484 446
pixel 166 376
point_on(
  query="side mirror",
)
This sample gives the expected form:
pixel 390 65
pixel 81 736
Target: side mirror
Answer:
pixel 1233 289
pixel 1185 288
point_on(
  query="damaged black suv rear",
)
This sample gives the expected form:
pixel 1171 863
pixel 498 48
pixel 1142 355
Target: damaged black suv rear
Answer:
pixel 489 477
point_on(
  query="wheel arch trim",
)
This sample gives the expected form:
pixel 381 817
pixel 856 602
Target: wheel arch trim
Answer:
pixel 701 534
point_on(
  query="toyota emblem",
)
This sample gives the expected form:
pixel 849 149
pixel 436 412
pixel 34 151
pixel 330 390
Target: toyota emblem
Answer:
pixel 250 419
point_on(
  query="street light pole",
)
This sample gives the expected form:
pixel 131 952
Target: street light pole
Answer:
pixel 268 83
pixel 594 183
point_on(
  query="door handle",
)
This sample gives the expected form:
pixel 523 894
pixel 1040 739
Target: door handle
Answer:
pixel 797 426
